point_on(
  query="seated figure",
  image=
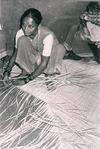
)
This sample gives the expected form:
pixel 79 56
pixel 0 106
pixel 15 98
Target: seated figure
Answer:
pixel 37 49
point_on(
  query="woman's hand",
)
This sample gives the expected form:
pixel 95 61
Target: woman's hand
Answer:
pixel 19 81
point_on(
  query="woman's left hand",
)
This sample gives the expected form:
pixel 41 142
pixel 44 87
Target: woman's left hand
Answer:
pixel 20 81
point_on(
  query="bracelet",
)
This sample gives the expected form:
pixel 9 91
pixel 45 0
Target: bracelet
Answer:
pixel 26 80
pixel 8 72
pixel 29 78
pixel 8 69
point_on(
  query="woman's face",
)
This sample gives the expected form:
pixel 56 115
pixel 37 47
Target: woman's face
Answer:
pixel 29 27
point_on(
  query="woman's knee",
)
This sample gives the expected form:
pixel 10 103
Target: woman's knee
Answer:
pixel 61 49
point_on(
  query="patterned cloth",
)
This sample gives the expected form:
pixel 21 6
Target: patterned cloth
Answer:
pixel 92 24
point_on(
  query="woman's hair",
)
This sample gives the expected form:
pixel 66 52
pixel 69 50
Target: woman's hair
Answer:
pixel 93 6
pixel 34 14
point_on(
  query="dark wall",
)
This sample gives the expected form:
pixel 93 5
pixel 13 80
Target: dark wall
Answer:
pixel 59 15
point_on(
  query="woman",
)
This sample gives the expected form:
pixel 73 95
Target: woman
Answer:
pixel 87 31
pixel 76 39
pixel 37 50
pixel 91 18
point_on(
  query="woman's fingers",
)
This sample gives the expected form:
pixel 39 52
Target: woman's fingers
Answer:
pixel 18 82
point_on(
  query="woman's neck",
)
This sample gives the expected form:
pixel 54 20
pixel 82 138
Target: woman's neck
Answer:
pixel 32 36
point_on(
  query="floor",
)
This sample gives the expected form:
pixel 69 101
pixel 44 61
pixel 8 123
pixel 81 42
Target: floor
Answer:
pixel 61 112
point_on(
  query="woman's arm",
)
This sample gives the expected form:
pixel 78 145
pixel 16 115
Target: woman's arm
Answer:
pixel 39 70
pixel 70 36
pixel 11 63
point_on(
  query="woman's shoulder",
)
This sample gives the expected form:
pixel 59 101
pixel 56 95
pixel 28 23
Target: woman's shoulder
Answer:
pixel 20 32
pixel 45 29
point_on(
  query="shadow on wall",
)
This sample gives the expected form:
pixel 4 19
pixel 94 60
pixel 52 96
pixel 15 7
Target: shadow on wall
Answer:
pixel 61 26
